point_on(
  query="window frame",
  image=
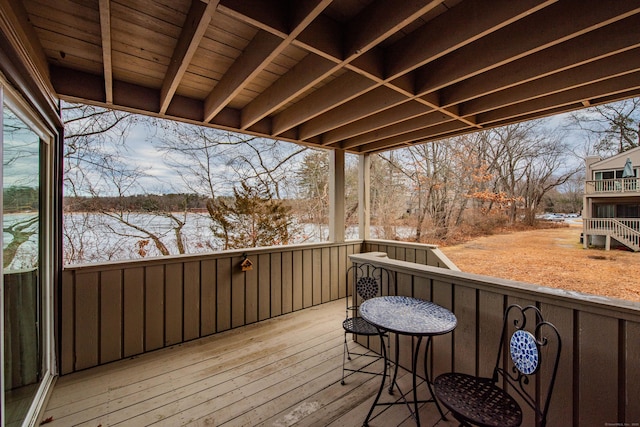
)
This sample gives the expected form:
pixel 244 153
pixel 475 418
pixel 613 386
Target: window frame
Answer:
pixel 12 99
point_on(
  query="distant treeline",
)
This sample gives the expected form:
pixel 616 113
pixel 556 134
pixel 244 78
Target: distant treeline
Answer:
pixel 179 202
pixel 137 203
pixel 20 199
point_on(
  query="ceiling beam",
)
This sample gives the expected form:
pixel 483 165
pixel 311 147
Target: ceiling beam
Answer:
pixel 375 100
pixel 492 51
pixel 376 23
pixel 606 41
pixel 105 36
pixel 79 86
pixel 323 37
pixel 489 23
pixel 267 16
pixel 380 20
pixel 338 91
pixel 414 137
pixel 389 77
pixel 308 72
pixel 631 93
pixel 610 87
pixel 460 26
pixel 257 55
pixel 421 122
pixel 406 111
pixel 592 72
pixel 567 108
pixel 194 28
pixel 261 50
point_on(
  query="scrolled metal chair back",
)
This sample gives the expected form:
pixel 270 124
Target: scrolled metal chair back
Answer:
pixel 370 281
pixel 529 341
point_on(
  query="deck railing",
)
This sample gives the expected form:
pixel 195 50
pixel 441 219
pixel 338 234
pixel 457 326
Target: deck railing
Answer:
pixel 624 230
pixel 609 223
pixel 117 310
pixel 597 384
pixel 111 311
pixel 618 185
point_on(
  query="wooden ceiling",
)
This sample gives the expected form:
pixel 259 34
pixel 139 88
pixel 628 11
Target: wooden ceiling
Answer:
pixel 358 75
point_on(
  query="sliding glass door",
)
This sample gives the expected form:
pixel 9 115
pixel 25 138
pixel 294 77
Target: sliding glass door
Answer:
pixel 26 287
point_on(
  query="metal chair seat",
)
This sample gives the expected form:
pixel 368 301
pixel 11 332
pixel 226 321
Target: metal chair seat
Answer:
pixel 483 401
pixel 477 400
pixel 359 326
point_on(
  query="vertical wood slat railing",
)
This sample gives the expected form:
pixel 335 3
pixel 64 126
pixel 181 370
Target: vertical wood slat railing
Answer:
pixel 112 311
pixel 597 382
pixel 117 310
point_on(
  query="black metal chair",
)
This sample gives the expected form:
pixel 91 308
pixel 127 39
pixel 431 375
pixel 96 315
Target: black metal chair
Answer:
pixel 368 282
pixel 484 401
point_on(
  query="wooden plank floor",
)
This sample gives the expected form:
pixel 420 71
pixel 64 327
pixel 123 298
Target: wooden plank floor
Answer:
pixel 281 372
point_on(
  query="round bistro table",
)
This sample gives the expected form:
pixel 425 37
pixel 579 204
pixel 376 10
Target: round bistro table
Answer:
pixel 412 317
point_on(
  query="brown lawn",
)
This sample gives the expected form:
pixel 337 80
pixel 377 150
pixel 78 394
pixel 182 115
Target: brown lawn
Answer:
pixel 551 257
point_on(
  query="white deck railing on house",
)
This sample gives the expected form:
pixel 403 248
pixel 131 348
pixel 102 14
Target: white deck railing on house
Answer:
pixel 618 185
pixel 624 230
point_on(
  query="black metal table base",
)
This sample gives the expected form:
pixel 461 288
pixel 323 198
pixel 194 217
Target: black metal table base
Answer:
pixel 403 396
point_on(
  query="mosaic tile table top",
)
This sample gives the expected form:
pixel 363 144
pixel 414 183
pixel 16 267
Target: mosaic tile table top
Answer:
pixel 408 316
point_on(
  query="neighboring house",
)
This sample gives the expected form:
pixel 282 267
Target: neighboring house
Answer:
pixel 611 210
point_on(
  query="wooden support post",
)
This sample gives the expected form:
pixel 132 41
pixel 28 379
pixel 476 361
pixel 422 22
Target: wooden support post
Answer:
pixel 336 196
pixel 364 196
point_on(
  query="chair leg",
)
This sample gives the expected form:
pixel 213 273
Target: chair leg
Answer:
pixel 346 347
pixel 345 355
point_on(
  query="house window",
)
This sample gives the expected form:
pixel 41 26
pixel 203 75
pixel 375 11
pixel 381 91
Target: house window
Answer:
pixel 611 174
pixel 628 211
pixel 605 211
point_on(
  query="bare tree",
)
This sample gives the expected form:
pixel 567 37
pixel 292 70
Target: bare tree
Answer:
pixel 609 128
pixel 528 161
pixel 389 200
pixel 20 231
pixel 97 165
pixel 210 162
pixel 546 172
pixel 313 191
pixel 568 196
pixel 507 170
pixel 511 151
pixel 441 177
pixel 268 164
pixel 21 193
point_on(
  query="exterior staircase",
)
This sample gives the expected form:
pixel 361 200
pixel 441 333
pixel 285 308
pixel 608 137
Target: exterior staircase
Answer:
pixel 624 231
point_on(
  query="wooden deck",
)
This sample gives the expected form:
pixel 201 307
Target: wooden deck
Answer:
pixel 280 372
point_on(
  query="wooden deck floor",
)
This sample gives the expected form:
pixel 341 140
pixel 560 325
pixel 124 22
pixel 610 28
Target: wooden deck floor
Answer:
pixel 281 372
